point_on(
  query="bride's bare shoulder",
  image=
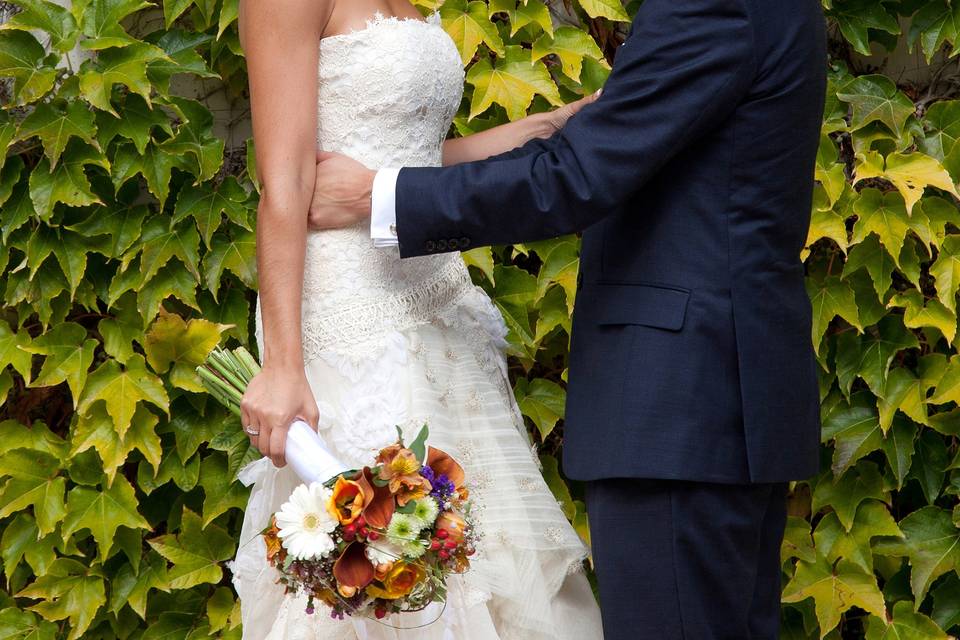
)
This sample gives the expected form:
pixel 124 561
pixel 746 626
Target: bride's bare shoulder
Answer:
pixel 265 19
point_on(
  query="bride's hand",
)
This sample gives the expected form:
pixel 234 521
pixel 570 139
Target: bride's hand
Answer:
pixel 274 398
pixel 558 117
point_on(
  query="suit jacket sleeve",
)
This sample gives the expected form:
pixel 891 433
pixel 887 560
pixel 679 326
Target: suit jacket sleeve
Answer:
pixel 685 67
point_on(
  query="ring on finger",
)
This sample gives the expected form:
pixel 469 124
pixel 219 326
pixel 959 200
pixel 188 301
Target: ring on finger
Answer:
pixel 251 430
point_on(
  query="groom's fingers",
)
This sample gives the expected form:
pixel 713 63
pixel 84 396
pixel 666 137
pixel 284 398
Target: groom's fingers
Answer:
pixel 324 155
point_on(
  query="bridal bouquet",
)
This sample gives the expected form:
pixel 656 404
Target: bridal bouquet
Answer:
pixel 376 540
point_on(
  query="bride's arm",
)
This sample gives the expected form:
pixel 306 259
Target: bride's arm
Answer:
pixel 280 39
pixel 503 138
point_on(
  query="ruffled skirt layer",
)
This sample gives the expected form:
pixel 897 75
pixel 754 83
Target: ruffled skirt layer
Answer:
pixel 526 580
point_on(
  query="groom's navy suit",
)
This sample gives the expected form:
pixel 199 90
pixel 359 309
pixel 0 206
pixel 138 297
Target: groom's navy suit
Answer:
pixel 691 368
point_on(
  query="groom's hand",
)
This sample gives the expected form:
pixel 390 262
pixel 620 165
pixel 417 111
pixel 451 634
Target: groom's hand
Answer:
pixel 341 193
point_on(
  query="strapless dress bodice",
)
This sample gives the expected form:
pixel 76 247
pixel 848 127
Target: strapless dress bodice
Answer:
pixel 387 95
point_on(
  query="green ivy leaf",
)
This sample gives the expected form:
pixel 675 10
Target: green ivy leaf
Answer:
pixel 136 125
pixel 48 17
pixel 67 182
pixel 571 45
pixel 207 206
pixel 96 430
pixel 221 491
pixel 126 65
pixel 875 98
pixel 196 552
pixel 102 512
pixel 16 624
pixel 130 587
pixel 847 493
pixel 935 24
pixel 906 624
pixel 611 9
pixel 932 544
pixel 34 480
pixel 235 253
pixel 101 23
pixel 542 401
pixel 194 139
pixel 855 429
pixel 155 165
pixel 469 25
pixel 22 58
pixel 869 254
pixel 69 591
pixel 13 351
pixel 898 447
pixel 831 297
pixel 523 14
pixel 172 343
pixel 512 83
pixel 919 315
pixel 161 240
pixel 910 173
pixel 55 124
pixel 122 389
pixel 69 354
pixel 946 272
pixel 834 590
pixel 873 520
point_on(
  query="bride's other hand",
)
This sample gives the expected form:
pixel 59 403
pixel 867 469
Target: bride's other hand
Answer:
pixel 274 398
pixel 558 117
pixel 341 192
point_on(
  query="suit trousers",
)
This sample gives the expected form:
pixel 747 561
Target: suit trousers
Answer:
pixel 682 560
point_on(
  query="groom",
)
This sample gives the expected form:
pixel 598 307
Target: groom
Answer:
pixel 692 394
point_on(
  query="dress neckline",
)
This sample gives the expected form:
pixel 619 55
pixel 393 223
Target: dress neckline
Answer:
pixel 379 19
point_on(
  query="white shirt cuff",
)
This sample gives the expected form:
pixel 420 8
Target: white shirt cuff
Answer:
pixel 383 208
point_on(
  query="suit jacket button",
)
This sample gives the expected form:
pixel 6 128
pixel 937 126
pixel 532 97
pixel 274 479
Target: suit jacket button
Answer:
pixel 464 242
pixel 430 246
pixel 441 245
pixel 453 244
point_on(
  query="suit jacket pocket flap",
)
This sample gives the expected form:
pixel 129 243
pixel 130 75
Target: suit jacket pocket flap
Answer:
pixel 650 305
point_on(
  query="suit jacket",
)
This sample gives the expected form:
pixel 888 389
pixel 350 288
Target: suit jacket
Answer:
pixel 691 178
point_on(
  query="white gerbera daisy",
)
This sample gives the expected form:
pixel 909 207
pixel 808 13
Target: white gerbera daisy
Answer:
pixel 305 524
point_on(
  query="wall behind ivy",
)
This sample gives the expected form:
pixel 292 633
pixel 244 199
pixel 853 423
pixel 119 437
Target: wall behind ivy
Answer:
pixel 127 209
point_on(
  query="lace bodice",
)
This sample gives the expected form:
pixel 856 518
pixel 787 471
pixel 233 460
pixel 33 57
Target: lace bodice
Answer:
pixel 387 95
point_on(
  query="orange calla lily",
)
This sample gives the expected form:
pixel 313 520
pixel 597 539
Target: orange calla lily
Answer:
pixel 453 524
pixel 441 463
pixel 380 506
pixel 352 569
pixel 347 500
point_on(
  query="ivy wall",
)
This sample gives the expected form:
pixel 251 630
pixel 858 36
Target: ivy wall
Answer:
pixel 127 209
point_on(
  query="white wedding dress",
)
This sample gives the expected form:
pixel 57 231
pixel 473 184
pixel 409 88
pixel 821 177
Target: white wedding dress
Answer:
pixel 402 342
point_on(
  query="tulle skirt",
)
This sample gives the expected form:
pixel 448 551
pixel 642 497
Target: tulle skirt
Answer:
pixel 526 580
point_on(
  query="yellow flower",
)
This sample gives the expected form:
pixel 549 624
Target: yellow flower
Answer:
pixel 400 580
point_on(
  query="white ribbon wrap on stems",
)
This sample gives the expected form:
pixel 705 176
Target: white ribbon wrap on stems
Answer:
pixel 308 456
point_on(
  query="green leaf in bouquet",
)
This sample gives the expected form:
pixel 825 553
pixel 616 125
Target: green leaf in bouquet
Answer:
pixel 419 445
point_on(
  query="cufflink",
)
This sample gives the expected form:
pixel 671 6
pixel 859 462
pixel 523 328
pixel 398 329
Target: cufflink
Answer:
pixel 393 230
pixel 464 242
pixel 441 245
pixel 429 245
pixel 453 244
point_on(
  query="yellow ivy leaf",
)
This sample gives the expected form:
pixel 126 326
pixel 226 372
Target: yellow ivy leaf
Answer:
pixel 512 84
pixel 910 173
pixel 122 390
pixel 612 9
pixel 571 45
pixel 181 345
pixel 469 25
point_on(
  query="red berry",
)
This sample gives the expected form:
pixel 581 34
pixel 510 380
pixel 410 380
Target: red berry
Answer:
pixel 360 521
pixel 450 544
pixel 373 535
pixel 349 529
pixel 443 534
pixel 444 555
pixel 434 545
pixel 380 612
pixel 363 532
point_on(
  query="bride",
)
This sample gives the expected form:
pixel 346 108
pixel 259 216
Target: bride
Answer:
pixel 355 341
